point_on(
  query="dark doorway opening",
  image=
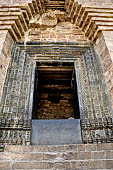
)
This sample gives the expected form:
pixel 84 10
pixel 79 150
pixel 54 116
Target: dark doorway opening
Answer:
pixel 55 92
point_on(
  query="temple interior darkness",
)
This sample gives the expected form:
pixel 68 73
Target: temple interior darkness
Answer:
pixel 55 92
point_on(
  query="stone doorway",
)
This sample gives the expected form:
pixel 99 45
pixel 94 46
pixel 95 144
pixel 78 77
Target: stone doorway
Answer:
pixel 55 91
pixel 56 116
pixel 16 124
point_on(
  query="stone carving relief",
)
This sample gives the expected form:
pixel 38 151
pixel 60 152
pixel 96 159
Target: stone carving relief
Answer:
pixel 15 120
pixel 16 106
pixel 96 111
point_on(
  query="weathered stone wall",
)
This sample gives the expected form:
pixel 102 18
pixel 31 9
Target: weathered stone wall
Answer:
pixel 14 16
pixel 104 42
pixel 104 46
pixel 63 31
pixel 91 17
pixel 6 43
pixel 14 1
pixel 97 3
pixel 53 26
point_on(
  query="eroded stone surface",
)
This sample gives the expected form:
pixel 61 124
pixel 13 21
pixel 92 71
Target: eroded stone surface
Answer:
pixel 48 19
pixel 58 157
pixel 62 31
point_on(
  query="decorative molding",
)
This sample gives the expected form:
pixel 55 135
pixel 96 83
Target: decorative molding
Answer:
pixel 16 106
pixel 15 116
pixel 97 130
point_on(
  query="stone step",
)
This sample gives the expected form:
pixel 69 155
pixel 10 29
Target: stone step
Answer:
pixel 56 156
pixel 66 165
pixel 65 157
pixel 50 156
pixel 59 148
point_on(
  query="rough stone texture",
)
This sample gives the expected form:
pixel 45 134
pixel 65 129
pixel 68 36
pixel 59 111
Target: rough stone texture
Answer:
pixel 58 157
pixel 18 124
pixel 104 47
pixel 99 3
pixel 63 31
pixel 109 70
pixel 51 110
pixel 52 26
pixel 48 19
pixel 6 43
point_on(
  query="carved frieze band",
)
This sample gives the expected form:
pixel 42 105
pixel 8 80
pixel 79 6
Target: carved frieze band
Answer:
pixel 97 130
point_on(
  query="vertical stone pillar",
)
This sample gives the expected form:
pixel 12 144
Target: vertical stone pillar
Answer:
pixel 6 43
pixel 104 46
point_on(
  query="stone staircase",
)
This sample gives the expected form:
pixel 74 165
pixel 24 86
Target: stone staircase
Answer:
pixel 71 157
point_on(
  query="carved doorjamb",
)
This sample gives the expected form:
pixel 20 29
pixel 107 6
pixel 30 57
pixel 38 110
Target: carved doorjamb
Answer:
pixel 16 105
pixel 95 106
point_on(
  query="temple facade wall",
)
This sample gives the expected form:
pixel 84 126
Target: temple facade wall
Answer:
pixel 85 22
pixel 103 40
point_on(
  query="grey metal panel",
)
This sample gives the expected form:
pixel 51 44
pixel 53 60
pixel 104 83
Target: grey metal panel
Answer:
pixel 56 132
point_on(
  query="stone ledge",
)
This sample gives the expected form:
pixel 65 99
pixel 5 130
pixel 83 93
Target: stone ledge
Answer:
pixel 59 148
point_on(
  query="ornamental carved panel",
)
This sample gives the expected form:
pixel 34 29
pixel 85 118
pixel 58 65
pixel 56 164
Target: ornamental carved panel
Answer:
pixel 95 106
pixel 17 100
pixel 15 111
